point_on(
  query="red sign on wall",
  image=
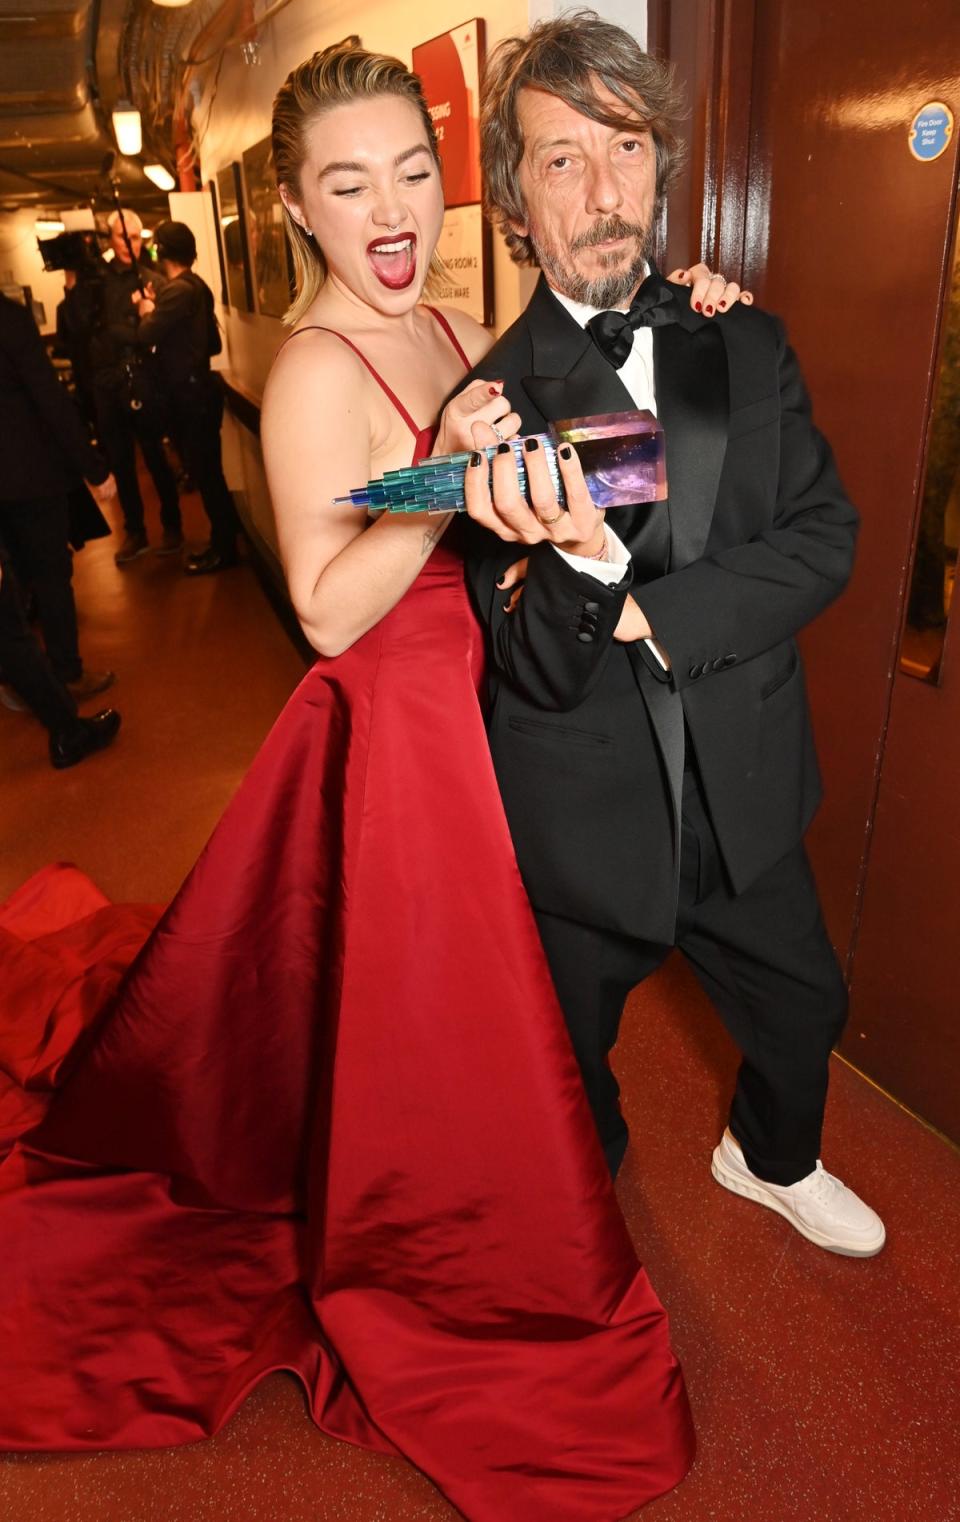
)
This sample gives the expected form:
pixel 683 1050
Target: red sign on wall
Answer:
pixel 449 67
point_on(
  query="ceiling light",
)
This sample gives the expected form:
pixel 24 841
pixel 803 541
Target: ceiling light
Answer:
pixel 46 227
pixel 126 127
pixel 171 4
pixel 161 177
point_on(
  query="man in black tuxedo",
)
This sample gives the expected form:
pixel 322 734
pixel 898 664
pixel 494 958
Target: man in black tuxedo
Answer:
pixel 649 724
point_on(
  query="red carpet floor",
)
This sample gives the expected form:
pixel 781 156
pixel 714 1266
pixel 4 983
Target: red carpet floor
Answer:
pixel 824 1389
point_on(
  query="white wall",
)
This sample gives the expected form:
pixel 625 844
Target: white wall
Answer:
pixel 20 263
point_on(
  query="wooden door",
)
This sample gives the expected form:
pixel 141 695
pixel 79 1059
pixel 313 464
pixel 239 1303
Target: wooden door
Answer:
pixel 802 183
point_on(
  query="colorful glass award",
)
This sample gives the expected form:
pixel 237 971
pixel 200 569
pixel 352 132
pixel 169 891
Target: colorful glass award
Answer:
pixel 621 453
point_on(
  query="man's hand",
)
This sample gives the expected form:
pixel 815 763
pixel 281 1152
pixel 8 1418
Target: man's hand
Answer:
pixel 480 402
pixel 105 491
pixel 578 529
pixel 710 293
pixel 146 302
pixel 633 624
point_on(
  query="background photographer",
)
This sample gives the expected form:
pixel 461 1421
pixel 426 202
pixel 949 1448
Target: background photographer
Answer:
pixel 128 399
pixel 180 322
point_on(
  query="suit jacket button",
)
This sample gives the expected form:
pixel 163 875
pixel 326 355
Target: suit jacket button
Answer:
pixel 719 663
pixel 696 671
pixel 585 637
pixel 729 660
pixel 591 607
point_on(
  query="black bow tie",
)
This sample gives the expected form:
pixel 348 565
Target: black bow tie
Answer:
pixel 652 307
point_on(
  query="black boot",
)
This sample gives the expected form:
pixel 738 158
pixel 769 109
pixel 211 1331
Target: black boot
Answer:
pixel 209 560
pixel 83 738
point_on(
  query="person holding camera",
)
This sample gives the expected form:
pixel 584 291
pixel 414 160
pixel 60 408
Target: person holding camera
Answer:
pixel 128 398
pixel 178 320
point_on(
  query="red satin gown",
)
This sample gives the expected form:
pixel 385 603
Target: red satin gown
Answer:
pixel 324 1116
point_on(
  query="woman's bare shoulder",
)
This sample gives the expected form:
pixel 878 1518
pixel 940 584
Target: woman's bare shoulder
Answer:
pixel 474 339
pixel 312 365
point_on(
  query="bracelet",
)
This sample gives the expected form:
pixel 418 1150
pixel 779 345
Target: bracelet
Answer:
pixel 602 553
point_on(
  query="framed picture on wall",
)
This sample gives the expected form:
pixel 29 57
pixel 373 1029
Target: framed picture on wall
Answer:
pixel 215 203
pixel 270 261
pixel 233 232
pixel 450 67
pixel 465 248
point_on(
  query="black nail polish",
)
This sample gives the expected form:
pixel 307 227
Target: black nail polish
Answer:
pixel 530 445
pixel 504 449
pixel 475 458
pixel 564 451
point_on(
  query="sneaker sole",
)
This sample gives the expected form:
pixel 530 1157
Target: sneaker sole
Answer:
pixel 748 1191
pixel 127 559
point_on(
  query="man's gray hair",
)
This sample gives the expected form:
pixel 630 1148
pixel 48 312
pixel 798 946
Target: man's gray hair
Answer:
pixel 570 57
pixel 134 224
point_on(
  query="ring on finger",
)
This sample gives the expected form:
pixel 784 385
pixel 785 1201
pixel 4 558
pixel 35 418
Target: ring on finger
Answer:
pixel 547 521
pixel 500 438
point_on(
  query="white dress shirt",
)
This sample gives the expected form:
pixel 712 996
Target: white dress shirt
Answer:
pixel 637 376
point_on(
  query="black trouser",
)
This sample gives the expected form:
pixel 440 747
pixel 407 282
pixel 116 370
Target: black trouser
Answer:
pixel 35 533
pixel 119 430
pixel 24 664
pixel 765 960
pixel 197 415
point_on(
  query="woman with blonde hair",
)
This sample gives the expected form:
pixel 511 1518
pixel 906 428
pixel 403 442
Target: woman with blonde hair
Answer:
pixel 330 1120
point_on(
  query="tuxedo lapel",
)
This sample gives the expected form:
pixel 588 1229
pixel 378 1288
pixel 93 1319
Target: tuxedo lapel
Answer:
pixel 693 404
pixel 570 376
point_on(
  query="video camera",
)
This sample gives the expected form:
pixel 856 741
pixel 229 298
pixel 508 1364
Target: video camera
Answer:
pixel 78 252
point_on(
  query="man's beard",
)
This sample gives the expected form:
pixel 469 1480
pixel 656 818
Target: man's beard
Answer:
pixel 606 290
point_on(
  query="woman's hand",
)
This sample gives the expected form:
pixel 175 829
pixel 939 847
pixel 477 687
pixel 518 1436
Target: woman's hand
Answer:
pixel 578 529
pixel 710 293
pixel 511 583
pixel 480 402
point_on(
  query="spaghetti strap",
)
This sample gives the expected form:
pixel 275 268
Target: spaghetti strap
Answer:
pixel 318 328
pixel 451 335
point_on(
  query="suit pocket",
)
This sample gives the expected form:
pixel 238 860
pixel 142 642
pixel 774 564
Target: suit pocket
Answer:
pixel 781 677
pixel 541 730
pixel 754 415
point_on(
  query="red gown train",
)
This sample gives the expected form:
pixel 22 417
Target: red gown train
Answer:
pixel 325 1117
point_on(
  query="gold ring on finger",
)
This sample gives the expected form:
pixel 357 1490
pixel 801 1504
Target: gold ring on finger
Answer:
pixel 547 521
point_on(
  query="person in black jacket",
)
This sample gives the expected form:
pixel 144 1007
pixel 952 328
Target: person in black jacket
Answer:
pixel 71 738
pixel 649 725
pixel 180 323
pixel 44 452
pixel 126 392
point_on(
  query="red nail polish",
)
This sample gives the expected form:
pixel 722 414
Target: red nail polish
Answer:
pixel 721 305
pixel 709 311
pixel 493 390
pixel 697 307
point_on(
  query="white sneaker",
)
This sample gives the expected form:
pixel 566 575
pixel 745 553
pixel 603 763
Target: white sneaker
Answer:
pixel 821 1208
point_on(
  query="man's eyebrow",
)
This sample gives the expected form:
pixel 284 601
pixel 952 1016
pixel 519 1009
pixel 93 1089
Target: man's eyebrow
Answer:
pixel 350 166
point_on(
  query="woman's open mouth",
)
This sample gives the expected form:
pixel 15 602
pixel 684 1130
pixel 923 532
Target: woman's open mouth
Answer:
pixel 394 260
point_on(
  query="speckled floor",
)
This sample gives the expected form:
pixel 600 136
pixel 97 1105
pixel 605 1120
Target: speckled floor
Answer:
pixel 824 1389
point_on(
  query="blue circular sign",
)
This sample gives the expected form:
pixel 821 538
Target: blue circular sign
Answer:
pixel 931 131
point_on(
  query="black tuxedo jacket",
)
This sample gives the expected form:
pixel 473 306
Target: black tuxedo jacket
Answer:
pixel 589 735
